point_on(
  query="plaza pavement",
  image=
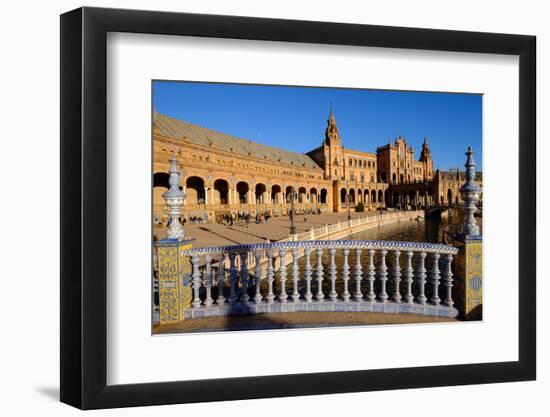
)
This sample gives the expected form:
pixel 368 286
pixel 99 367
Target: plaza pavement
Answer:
pixel 293 321
pixel 277 228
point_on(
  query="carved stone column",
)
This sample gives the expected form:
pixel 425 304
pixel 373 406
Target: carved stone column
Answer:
pixel 174 267
pixel 471 284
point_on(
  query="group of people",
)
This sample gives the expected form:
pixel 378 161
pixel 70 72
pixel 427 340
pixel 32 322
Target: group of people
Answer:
pixel 230 218
pixel 195 219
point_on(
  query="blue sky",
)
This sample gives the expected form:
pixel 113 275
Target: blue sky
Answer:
pixel 294 118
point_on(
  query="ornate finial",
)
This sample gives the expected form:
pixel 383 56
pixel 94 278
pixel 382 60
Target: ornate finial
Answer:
pixel 174 198
pixel 470 194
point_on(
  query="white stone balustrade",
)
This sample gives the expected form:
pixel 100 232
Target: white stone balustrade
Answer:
pixel 320 283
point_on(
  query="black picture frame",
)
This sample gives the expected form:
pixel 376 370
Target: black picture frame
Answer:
pixel 84 207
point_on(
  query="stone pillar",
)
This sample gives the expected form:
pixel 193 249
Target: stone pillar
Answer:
pixel 174 268
pixel 472 251
pixel 174 279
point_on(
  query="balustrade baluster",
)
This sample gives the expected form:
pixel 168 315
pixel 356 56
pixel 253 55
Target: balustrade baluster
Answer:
pixel 421 274
pixel 283 297
pixel 307 273
pixel 345 275
pixel 295 275
pixel 270 277
pixel 332 275
pixel 448 277
pixel 233 278
pixel 409 278
pixel 371 296
pixel 396 276
pixel 208 301
pixel 320 296
pixel 196 280
pixel 383 276
pixel 221 280
pixel 358 275
pixel 258 277
pixel 435 279
pixel 244 278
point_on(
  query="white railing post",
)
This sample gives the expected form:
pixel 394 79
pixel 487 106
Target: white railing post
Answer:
pixel 448 276
pixel 244 278
pixel 421 274
pixel 295 275
pixel 435 279
pixel 383 276
pixel 270 277
pixel 371 296
pixel 409 278
pixel 283 296
pixel 208 281
pixel 358 275
pixel 233 278
pixel 196 280
pixel 320 296
pixel 221 280
pixel 345 275
pixel 332 274
pixel 258 277
pixel 307 274
pixel 396 277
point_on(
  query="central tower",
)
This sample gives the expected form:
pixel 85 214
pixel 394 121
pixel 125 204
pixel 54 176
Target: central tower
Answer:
pixel 334 155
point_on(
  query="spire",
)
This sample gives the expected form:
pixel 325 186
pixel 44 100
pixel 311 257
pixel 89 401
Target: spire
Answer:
pixel 425 153
pixel 331 132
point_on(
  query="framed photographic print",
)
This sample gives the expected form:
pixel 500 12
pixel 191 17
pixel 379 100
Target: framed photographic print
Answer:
pixel 257 208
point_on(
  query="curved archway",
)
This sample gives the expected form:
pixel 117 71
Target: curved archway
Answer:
pixel 313 196
pixel 343 194
pixel 288 193
pixel 393 178
pixel 160 179
pixel 260 191
pixel 400 178
pixel 360 196
pixel 450 197
pixel 366 196
pixel 380 196
pixel 352 196
pixel 196 193
pixel 373 196
pixel 324 194
pixel 221 192
pixel 302 193
pixel 242 191
pixel 276 194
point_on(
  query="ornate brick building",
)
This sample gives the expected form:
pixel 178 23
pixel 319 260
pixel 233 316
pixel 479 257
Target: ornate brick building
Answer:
pixel 222 174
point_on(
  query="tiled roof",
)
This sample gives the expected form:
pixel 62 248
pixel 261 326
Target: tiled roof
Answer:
pixel 198 135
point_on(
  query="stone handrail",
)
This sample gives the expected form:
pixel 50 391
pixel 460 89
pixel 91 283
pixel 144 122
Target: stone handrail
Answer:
pixel 243 289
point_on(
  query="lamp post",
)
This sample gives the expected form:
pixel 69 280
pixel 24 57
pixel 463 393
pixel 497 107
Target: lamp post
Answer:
pixel 292 225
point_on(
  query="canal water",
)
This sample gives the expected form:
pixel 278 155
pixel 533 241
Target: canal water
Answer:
pixel 422 230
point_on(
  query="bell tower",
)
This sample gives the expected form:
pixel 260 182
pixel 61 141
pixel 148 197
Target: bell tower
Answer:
pixel 427 161
pixel 334 169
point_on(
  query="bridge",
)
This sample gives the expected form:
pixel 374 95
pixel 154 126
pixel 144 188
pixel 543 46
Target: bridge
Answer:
pixel 314 275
